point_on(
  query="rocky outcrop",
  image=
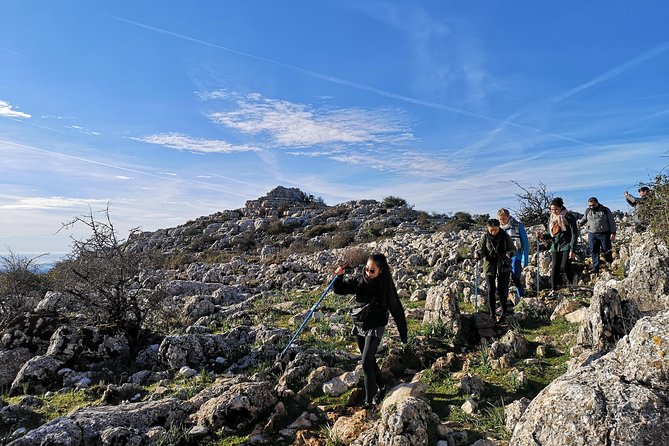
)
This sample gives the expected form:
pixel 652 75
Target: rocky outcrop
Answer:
pixel 620 398
pixel 647 274
pixel 90 426
pixel 197 350
pixel 441 306
pixel 607 319
pixel 238 407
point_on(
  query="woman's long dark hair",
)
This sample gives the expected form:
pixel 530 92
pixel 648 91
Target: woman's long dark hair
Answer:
pixel 386 283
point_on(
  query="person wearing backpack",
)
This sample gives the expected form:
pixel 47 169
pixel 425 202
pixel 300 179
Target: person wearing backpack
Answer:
pixel 375 298
pixel 563 233
pixel 496 248
pixel 516 231
pixel 601 228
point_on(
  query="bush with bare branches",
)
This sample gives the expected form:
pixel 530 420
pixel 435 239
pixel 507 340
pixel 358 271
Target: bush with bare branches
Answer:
pixel 21 286
pixel 102 275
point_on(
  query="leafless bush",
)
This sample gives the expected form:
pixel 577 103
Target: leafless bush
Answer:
pixel 102 274
pixel 534 202
pixel 21 286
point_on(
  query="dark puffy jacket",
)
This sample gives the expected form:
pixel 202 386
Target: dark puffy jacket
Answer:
pixel 370 293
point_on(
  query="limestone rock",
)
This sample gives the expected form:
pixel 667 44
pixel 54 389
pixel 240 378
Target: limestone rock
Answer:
pixel 612 400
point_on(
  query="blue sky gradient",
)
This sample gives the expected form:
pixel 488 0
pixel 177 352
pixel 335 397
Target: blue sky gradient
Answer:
pixel 173 110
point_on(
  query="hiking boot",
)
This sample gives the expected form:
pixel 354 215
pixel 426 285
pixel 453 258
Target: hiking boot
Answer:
pixel 378 398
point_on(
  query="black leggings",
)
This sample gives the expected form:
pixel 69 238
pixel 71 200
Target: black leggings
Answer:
pixel 497 284
pixel 561 265
pixel 372 374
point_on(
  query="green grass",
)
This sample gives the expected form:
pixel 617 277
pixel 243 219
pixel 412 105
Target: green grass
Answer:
pixel 502 385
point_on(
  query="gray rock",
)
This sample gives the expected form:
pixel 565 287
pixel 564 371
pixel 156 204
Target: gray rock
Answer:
pixel 612 400
pixel 37 375
pixel 12 361
pixel 238 407
pixel 441 306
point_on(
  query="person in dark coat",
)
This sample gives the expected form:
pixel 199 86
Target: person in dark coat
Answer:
pixel 375 298
pixel 496 248
pixel 564 235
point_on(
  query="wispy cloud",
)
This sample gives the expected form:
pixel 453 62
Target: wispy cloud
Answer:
pixel 403 162
pixel 614 72
pixel 44 203
pixel 179 141
pixel 82 130
pixel 297 125
pixel 357 85
pixel 7 111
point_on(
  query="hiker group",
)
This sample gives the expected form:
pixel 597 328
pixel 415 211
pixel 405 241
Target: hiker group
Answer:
pixel 504 250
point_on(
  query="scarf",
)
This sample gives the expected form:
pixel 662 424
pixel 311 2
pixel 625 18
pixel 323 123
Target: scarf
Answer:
pixel 558 222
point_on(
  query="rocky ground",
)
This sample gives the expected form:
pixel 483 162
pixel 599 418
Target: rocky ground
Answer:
pixel 587 368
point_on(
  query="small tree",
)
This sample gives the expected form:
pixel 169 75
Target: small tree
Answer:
pixel 534 202
pixel 101 273
pixel 21 286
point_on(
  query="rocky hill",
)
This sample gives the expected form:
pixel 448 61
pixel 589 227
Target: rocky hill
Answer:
pixel 587 369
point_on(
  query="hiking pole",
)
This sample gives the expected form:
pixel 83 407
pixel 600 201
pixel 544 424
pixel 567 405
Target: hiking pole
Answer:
pixel 310 313
pixel 476 287
pixel 538 259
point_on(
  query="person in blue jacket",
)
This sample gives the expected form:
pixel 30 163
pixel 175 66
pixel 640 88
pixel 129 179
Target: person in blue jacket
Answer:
pixel 375 298
pixel 520 259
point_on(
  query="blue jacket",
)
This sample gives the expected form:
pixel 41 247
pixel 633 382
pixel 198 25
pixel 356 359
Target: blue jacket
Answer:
pixel 516 231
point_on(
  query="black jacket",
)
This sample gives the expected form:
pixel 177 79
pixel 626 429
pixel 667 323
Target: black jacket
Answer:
pixel 370 294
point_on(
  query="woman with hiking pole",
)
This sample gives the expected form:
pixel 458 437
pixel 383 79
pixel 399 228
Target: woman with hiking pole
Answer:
pixel 375 297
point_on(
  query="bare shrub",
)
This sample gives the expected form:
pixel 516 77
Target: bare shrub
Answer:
pixel 21 286
pixel 102 274
pixel 534 202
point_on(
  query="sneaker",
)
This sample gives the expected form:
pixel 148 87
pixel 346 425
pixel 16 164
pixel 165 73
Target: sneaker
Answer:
pixel 553 295
pixel 378 398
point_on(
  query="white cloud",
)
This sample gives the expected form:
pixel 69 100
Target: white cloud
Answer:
pixel 187 143
pixel 298 125
pixel 405 163
pixel 82 130
pixel 122 177
pixel 7 111
pixel 36 203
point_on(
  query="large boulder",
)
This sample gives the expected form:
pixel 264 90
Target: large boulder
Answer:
pixel 12 361
pixel 441 306
pixel 647 281
pixel 607 319
pixel 238 407
pixel 618 399
pixel 197 350
pixel 37 375
pixel 87 345
pixel 87 426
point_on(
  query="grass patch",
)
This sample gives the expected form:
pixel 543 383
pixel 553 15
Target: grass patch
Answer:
pixel 502 385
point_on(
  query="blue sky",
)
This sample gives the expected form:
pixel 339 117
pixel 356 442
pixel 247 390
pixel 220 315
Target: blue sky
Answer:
pixel 173 110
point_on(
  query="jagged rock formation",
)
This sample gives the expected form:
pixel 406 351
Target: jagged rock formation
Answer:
pixel 620 398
